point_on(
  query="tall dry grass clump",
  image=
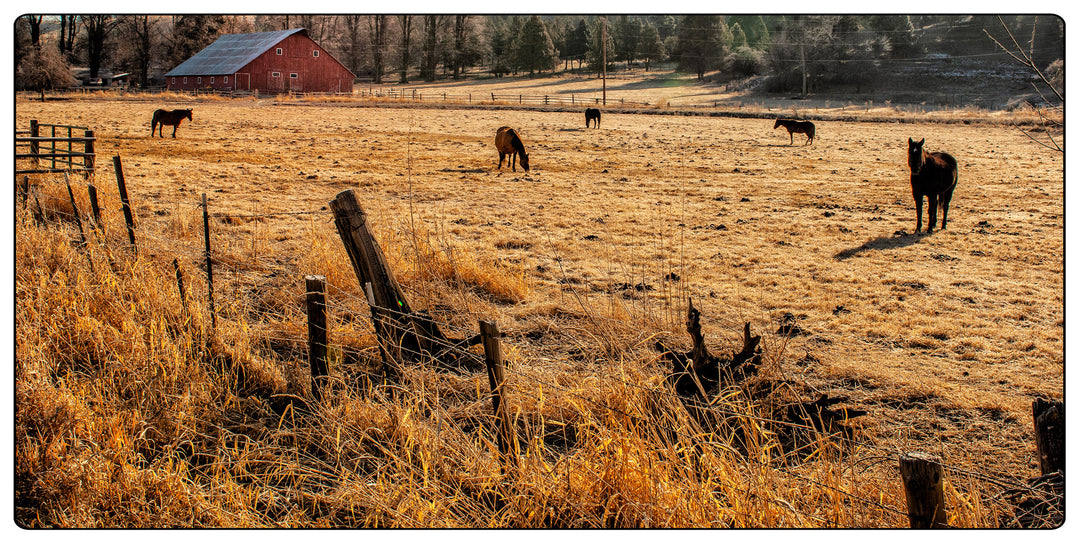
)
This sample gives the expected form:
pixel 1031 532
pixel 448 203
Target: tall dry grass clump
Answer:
pixel 135 409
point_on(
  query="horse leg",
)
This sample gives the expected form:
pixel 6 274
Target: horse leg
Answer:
pixel 792 136
pixel 931 210
pixel 945 198
pixel 174 127
pixel 501 155
pixel 918 210
pixel 513 161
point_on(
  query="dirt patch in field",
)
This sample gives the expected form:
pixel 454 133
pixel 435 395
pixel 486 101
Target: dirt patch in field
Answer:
pixel 945 338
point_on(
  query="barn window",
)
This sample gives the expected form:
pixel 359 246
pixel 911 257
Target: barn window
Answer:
pixel 225 79
pixel 275 74
pixel 185 80
pixel 315 53
pixel 211 80
pixel 293 75
pixel 278 51
pixel 198 80
pixel 174 81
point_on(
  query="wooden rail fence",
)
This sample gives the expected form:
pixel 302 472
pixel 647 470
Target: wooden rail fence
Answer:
pixel 50 148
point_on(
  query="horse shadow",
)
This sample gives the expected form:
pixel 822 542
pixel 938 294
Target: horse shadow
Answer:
pixel 898 240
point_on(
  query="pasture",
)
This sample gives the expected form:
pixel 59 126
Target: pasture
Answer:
pixel 945 339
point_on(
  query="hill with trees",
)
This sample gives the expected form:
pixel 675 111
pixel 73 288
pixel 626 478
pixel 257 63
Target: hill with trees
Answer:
pixel 799 54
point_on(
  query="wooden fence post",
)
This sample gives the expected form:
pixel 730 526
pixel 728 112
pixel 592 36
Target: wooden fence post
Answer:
pixel 88 159
pixel 209 264
pixel 489 334
pixel 316 312
pixel 35 147
pixel 75 212
pixel 398 327
pixel 924 489
pixel 95 209
pixel 122 186
pixel 1049 419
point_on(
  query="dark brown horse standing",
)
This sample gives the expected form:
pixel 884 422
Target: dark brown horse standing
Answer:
pixel 792 126
pixel 592 114
pixel 167 117
pixel 508 143
pixel 933 175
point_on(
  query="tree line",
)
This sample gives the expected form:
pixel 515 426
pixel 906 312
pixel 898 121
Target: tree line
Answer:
pixel 798 52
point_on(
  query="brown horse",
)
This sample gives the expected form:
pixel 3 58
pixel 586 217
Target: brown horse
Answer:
pixel 508 143
pixel 592 114
pixel 792 126
pixel 166 117
pixel 933 175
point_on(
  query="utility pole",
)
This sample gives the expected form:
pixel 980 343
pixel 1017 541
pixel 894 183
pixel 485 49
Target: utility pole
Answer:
pixel 802 55
pixel 603 57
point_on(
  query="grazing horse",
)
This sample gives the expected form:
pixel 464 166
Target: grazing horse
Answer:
pixel 933 175
pixel 792 126
pixel 165 117
pixel 508 143
pixel 592 114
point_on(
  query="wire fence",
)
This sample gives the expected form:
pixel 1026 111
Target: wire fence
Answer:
pixel 246 277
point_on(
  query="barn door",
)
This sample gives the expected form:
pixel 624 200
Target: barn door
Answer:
pixel 242 82
pixel 275 81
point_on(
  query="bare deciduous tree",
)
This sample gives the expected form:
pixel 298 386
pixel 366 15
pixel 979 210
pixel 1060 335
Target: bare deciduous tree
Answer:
pixel 1050 108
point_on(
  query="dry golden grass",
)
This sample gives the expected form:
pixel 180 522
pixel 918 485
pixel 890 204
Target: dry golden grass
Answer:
pixel 131 413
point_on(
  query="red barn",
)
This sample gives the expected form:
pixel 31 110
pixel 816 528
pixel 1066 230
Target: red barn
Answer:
pixel 271 62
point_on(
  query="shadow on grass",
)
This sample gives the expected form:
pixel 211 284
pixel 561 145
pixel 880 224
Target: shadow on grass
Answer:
pixel 897 240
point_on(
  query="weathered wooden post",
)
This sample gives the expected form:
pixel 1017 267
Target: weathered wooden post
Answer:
pixel 209 264
pixel 405 335
pixel 316 312
pixel 122 186
pixel 1049 419
pixel 88 158
pixel 75 212
pixel 95 209
pixel 493 357
pixel 924 489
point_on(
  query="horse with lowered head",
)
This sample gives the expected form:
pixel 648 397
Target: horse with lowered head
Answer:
pixel 507 142
pixel 592 114
pixel 933 175
pixel 167 117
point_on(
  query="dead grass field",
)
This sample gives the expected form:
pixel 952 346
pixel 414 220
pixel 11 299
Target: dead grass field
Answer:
pixel 946 339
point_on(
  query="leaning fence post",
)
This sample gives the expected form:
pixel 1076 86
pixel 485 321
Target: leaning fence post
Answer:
pixel 924 489
pixel 489 334
pixel 209 264
pixel 1049 419
pixel 122 186
pixel 94 207
pixel 316 312
pixel 75 212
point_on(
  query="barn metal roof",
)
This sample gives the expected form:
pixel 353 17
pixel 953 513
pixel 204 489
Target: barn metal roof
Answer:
pixel 230 53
